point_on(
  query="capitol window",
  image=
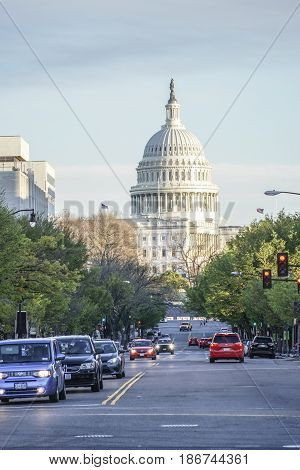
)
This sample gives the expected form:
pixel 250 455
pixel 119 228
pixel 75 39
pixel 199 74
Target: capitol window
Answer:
pixel 164 176
pixel 145 253
pixel 170 175
pixel 163 252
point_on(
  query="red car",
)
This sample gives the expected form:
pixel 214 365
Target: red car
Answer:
pixel 142 348
pixel 193 341
pixel 226 346
pixel 204 342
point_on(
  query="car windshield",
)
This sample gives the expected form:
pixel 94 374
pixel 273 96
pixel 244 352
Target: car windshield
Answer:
pixel 25 352
pixel 226 339
pixel 137 344
pixel 73 346
pixel 164 341
pixel 105 348
pixel 263 339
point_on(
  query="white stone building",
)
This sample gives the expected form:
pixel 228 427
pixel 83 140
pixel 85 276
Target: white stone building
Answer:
pixel 25 184
pixel 174 203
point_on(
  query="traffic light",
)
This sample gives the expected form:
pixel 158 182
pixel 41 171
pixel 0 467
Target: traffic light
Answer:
pixel 267 278
pixel 298 284
pixel 283 264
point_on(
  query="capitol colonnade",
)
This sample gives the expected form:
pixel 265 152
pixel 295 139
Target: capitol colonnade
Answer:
pixel 151 202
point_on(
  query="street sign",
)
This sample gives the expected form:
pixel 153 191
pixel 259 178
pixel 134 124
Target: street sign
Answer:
pixel 297 309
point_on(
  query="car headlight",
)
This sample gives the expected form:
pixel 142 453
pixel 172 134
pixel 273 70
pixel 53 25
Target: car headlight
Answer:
pixel 42 374
pixel 3 375
pixel 151 350
pixel 270 344
pixel 171 346
pixel 87 366
pixel 133 351
pixel 114 360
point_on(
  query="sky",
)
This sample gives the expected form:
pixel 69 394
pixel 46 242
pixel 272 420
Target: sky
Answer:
pixel 88 79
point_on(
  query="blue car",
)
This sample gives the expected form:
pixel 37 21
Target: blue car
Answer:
pixel 31 368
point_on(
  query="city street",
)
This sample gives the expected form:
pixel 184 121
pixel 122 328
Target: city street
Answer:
pixel 176 402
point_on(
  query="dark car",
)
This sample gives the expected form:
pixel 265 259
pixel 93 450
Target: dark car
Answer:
pixel 31 368
pixel 82 364
pixel 113 360
pixel 262 346
pixel 165 345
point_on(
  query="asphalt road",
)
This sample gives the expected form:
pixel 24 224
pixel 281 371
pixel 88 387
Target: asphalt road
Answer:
pixel 176 402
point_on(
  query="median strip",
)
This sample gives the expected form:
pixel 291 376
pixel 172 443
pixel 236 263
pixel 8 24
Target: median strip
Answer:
pixel 127 388
pixel 133 379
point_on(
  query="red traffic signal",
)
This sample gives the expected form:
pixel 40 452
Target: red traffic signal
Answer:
pixel 267 278
pixel 298 284
pixel 282 265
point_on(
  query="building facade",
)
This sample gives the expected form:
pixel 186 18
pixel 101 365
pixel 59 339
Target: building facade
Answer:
pixel 175 203
pixel 25 184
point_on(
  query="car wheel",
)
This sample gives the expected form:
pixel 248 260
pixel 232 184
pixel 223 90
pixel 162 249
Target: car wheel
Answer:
pixel 123 373
pixel 55 396
pixel 172 352
pixel 273 357
pixel 101 383
pixel 4 400
pixel 153 358
pixel 63 393
pixel 157 353
pixel 242 359
pixel 211 360
pixel 119 376
pixel 251 356
pixel 132 358
pixel 96 387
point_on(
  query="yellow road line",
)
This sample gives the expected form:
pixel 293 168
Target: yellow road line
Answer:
pixel 119 389
pixel 127 388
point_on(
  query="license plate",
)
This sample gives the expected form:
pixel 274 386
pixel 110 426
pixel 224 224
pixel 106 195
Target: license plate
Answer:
pixel 20 386
pixel 226 349
pixel 142 354
pixel 262 346
pixel 68 376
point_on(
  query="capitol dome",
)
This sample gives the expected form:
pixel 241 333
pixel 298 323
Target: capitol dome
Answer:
pixel 173 139
pixel 174 201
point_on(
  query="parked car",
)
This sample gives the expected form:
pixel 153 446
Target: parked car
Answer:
pixel 113 360
pixel 204 342
pixel 185 326
pixel 142 348
pixel 165 345
pixel 31 368
pixel 226 346
pixel 262 346
pixel 193 341
pixel 83 366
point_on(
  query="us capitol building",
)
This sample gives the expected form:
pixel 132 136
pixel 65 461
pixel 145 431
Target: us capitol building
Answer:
pixel 175 204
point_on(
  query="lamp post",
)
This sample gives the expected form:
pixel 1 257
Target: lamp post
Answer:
pixel 32 220
pixel 275 193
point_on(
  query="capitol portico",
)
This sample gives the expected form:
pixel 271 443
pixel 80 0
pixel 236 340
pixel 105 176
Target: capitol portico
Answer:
pixel 174 201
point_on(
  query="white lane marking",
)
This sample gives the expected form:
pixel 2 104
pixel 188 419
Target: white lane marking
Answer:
pixel 94 436
pixel 296 446
pixel 179 425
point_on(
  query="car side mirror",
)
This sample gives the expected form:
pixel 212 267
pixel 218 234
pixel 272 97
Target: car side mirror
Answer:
pixel 60 357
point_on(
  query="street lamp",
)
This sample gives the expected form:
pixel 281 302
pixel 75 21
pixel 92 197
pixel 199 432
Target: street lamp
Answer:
pixel 32 220
pixel 275 193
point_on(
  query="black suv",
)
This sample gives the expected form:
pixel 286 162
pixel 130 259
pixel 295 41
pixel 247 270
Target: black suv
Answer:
pixel 262 346
pixel 82 364
pixel 164 345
